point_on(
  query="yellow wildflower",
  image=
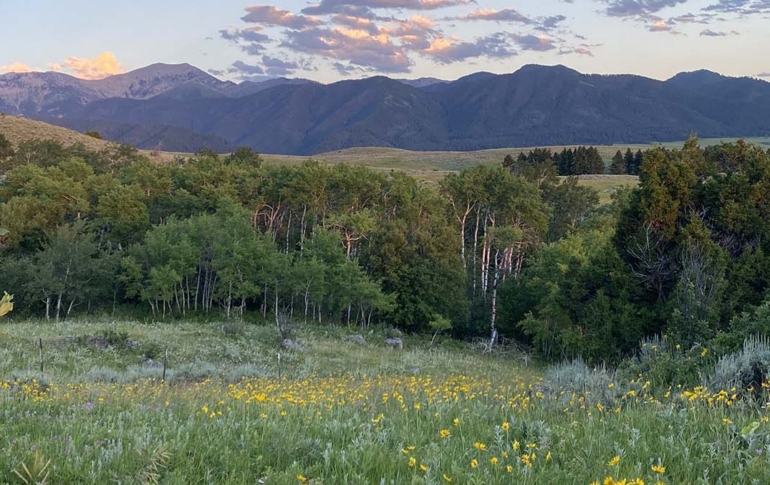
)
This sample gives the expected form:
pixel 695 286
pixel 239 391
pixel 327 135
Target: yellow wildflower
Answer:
pixel 444 433
pixel 447 478
pixel 659 469
pixel 614 461
pixel 474 463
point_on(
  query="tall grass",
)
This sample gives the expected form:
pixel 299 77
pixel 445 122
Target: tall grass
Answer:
pixel 346 413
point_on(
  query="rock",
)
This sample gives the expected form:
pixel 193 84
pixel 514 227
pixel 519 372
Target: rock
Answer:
pixel 152 364
pixel 290 344
pixel 395 343
pixel 357 339
pixel 132 344
pixel 99 342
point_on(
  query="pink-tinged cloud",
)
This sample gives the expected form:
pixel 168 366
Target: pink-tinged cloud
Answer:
pixel 358 23
pixel 505 15
pixel 357 47
pixel 657 24
pixel 270 15
pixel 447 51
pixel 326 7
pixel 582 49
pixel 540 43
pixel 413 34
pixel 99 67
pixel 17 67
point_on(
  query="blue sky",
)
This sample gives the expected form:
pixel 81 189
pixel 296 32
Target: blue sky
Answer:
pixel 329 40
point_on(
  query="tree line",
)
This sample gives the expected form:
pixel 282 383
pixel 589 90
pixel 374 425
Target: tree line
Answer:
pixel 578 161
pixel 512 252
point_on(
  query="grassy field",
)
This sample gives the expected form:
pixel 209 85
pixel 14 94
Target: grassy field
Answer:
pixel 236 408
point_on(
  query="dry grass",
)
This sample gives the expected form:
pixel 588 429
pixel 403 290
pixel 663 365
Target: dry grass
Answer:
pixel 18 129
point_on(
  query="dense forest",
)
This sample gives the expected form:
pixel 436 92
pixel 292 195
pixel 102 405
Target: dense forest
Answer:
pixel 513 253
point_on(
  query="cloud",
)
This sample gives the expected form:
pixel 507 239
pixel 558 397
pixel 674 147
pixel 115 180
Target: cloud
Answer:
pixel 657 24
pixel 360 23
pixel 358 47
pixel 251 40
pixel 241 67
pixel 551 22
pixel 448 51
pixel 711 33
pixel 345 69
pixel 270 15
pixel 278 67
pixel 764 74
pixel 638 8
pixel 534 42
pixel 415 33
pixel 741 7
pixel 99 67
pixel 364 7
pixel 505 15
pixel 693 19
pixel 358 36
pixel 17 67
pixel 582 49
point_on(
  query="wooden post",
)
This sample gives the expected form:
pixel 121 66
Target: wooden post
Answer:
pixel 42 366
pixel 165 363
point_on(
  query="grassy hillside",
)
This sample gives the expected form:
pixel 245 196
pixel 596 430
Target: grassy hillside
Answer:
pixel 18 129
pixel 237 408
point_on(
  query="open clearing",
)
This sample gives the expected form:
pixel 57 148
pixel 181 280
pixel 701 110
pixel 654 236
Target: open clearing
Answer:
pixel 239 409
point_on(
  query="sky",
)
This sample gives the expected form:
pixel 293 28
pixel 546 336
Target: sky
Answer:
pixel 332 40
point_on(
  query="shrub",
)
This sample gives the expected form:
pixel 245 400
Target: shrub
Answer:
pixel 665 365
pixel 744 370
pixel 598 384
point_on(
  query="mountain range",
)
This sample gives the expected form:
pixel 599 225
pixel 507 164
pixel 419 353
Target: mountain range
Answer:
pixel 181 108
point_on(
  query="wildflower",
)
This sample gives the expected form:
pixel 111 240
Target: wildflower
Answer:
pixel 493 460
pixel 474 463
pixel 444 433
pixel 704 352
pixel 412 462
pixel 659 469
pixel 302 479
pixel 423 468
pixel 727 421
pixel 509 469
pixel 614 461
pixel 447 478
pixel 506 426
pixel 480 446
pixel 456 421
pixel 516 445
pixel 548 456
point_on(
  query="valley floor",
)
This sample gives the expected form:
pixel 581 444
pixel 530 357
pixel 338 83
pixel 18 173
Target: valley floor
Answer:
pixel 237 408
